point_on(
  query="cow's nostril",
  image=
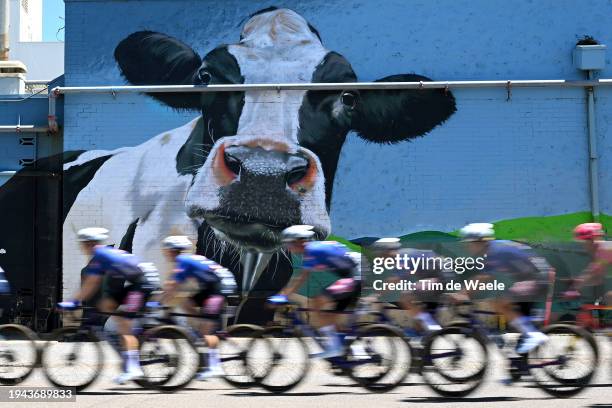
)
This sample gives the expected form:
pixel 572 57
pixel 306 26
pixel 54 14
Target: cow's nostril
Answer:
pixel 295 175
pixel 233 163
pixel 297 169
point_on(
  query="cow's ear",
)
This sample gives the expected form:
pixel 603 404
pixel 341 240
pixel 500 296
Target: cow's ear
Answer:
pixel 391 116
pixel 149 58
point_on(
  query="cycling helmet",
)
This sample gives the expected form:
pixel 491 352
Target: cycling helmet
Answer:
pixel 478 231
pixel 297 232
pixel 589 230
pixel 92 234
pixel 179 242
pixel 387 243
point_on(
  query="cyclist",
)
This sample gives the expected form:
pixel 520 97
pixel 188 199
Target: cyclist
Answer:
pixel 597 273
pixel 344 292
pixel 420 304
pixel 214 284
pixel 518 263
pixel 124 283
pixel 5 287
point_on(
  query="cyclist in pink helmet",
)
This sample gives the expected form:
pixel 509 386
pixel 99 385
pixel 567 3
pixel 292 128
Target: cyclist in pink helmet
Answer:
pixel 598 273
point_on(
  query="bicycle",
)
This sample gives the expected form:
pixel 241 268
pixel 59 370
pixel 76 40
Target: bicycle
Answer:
pixel 18 353
pixel 233 346
pixel 442 357
pixel 553 367
pixel 376 356
pixel 80 356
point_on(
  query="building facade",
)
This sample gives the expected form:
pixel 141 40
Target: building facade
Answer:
pixel 232 169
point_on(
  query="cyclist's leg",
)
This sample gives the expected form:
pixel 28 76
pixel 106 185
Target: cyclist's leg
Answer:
pixel 132 299
pixel 518 315
pixel 211 305
pixel 336 297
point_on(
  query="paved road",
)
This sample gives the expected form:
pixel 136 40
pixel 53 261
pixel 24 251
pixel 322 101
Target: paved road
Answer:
pixel 321 389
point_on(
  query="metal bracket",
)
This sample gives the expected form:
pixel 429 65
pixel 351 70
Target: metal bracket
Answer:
pixel 508 90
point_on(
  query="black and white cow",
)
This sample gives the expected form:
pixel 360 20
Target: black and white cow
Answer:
pixel 253 162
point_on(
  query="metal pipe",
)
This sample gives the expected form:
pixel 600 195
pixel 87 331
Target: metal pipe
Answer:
pixel 51 118
pixel 23 129
pixel 593 159
pixel 4 29
pixel 563 83
pixel 64 90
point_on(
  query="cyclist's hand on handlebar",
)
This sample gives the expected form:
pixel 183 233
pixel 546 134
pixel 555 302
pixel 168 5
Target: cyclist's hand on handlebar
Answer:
pixel 153 304
pixel 69 305
pixel 278 299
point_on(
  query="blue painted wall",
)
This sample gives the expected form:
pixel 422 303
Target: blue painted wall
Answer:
pixel 494 159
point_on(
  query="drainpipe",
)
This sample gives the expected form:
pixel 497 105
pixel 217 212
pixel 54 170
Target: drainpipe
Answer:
pixel 593 159
pixel 4 30
pixel 590 56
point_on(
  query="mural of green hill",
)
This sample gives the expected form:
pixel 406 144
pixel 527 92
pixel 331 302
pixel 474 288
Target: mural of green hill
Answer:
pixel 545 229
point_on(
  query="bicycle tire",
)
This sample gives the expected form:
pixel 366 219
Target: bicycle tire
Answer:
pixel 238 375
pixel 70 334
pixel 468 383
pixel 271 336
pixel 19 333
pixel 179 360
pixel 380 382
pixel 564 387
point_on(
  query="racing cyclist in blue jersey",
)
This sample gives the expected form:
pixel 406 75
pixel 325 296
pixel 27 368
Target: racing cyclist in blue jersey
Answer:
pixel 527 272
pixel 344 292
pixel 125 282
pixel 5 287
pixel 420 304
pixel 214 284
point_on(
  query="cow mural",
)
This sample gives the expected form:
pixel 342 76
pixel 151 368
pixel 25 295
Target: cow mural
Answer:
pixel 251 164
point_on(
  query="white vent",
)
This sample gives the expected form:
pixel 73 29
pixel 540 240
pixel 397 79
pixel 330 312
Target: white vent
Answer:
pixel 24 4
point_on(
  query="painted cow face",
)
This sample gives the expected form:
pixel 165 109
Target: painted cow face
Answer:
pixel 264 160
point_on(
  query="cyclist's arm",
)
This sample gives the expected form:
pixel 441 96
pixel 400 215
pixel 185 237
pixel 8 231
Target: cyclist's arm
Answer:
pixel 296 283
pixel 591 275
pixel 177 277
pixel 90 286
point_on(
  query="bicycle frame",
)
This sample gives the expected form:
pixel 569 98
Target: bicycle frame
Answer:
pixel 306 329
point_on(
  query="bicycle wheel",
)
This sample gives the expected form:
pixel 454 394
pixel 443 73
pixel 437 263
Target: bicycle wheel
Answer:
pixel 455 361
pixel 168 358
pixel 566 363
pixel 379 358
pixel 281 358
pixel 18 353
pixel 73 357
pixel 233 350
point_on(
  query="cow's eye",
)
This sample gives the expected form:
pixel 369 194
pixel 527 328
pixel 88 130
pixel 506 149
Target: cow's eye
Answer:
pixel 204 76
pixel 349 99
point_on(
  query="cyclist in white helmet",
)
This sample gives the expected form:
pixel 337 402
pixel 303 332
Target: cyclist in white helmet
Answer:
pixel 328 256
pixel 214 284
pixel 527 272
pixel 125 282
pixel 420 304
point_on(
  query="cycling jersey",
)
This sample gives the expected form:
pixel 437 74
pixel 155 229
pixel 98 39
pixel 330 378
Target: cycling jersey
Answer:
pixel 332 256
pixel 422 264
pixel 4 284
pixel 114 263
pixel 517 260
pixel 207 273
pixel 602 261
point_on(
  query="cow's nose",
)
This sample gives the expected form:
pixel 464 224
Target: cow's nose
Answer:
pixel 256 163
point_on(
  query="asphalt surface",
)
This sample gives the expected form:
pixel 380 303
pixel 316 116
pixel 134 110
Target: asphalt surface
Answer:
pixel 322 389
